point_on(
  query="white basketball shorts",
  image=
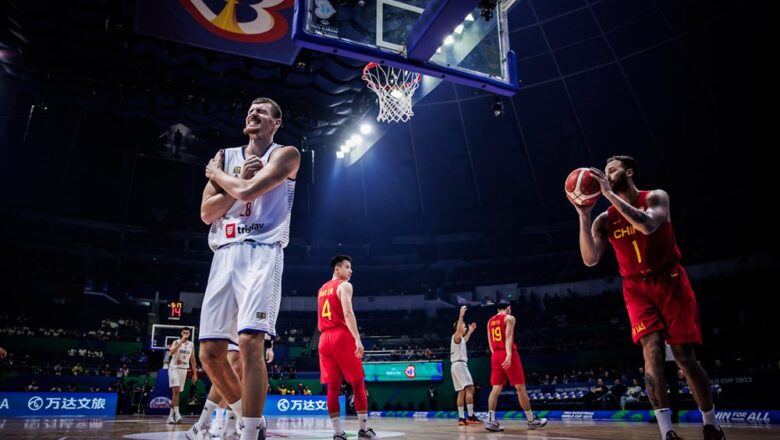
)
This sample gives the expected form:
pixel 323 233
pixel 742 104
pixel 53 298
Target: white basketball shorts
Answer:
pixel 177 377
pixel 461 378
pixel 243 293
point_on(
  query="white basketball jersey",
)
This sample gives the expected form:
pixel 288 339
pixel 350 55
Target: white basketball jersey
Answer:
pixel 458 351
pixel 265 220
pixel 182 357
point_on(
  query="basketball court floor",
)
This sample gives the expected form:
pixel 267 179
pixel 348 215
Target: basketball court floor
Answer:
pixel 318 428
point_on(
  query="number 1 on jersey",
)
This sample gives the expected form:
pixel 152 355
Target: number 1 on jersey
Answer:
pixel 496 334
pixel 326 310
pixel 636 248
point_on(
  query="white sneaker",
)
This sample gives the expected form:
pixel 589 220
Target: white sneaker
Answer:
pixel 340 436
pixel 171 420
pixel 197 432
pixel 493 426
pixel 537 423
pixel 177 418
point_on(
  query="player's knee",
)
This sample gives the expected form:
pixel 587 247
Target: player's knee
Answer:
pixel 251 343
pixel 210 355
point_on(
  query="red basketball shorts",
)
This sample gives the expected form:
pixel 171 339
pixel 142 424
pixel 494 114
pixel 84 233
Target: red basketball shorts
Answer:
pixel 663 302
pixel 337 357
pixel 499 376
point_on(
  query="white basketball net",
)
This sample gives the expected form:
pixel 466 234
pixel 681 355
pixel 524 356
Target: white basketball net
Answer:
pixel 395 88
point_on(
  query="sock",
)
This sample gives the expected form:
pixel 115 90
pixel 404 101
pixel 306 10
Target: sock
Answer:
pixel 236 407
pixel 529 415
pixel 460 412
pixel 470 407
pixel 491 416
pixel 205 415
pixel 170 413
pixel 252 425
pixel 176 411
pixel 708 418
pixel 664 417
pixel 336 422
pixel 230 421
pixel 363 419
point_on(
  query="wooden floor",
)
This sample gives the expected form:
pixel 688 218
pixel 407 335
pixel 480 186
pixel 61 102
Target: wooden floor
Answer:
pixel 154 428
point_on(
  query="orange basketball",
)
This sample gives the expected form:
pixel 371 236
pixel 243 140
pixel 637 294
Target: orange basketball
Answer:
pixel 581 188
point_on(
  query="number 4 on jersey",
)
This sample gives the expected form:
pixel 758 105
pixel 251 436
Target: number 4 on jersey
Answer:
pixel 326 310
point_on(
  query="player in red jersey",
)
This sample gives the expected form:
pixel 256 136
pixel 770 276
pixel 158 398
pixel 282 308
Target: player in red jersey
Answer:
pixel 340 347
pixel 660 301
pixel 505 364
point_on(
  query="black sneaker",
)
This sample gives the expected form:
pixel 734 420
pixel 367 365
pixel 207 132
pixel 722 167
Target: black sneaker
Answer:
pixel 712 432
pixel 671 435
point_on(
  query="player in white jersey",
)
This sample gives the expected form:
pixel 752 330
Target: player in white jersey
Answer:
pixel 181 358
pixel 461 377
pixel 250 225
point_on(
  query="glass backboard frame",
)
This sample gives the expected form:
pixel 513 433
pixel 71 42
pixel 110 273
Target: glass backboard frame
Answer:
pixel 393 54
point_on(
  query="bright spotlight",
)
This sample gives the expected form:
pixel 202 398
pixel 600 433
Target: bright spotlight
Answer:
pixel 356 139
pixel 344 149
pixel 469 17
pixel 459 29
pixel 365 128
pixel 350 143
pixel 340 154
pixel 449 40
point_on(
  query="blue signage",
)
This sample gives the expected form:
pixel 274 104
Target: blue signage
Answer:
pixel 57 404
pixel 276 405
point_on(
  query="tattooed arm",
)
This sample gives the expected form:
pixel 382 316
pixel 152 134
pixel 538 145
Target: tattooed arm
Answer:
pixel 645 221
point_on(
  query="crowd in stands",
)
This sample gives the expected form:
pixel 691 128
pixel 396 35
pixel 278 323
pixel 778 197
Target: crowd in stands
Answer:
pixel 109 329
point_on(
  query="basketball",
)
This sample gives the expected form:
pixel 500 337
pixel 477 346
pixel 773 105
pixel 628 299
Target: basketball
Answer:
pixel 581 188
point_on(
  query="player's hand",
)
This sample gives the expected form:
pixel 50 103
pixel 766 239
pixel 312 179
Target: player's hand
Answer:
pixel 583 211
pixel 462 311
pixel 507 362
pixel 184 339
pixel 269 355
pixel 472 327
pixel 359 350
pixel 3 353
pixel 602 180
pixel 215 164
pixel 251 166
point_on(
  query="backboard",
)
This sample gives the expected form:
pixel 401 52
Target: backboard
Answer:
pixel 163 335
pixel 450 40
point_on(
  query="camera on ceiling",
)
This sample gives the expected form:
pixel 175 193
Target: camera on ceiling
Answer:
pixel 486 8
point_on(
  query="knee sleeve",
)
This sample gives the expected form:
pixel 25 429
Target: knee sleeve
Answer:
pixel 333 397
pixel 361 401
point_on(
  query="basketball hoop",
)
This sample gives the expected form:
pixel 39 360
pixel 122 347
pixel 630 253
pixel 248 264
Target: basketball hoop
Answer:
pixel 395 88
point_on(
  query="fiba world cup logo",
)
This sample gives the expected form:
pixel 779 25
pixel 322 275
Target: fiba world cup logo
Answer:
pixel 410 372
pixel 247 21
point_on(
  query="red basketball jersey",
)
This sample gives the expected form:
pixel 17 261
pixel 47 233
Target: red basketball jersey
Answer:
pixel 497 329
pixel 330 315
pixel 636 252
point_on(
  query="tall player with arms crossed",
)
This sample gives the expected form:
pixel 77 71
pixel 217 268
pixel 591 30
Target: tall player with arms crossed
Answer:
pixel 461 377
pixel 250 227
pixel 505 364
pixel 660 301
pixel 181 357
pixel 340 347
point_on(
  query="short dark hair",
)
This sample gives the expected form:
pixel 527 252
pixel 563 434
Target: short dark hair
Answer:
pixel 338 259
pixel 276 111
pixel 503 304
pixel 628 162
pixel 186 328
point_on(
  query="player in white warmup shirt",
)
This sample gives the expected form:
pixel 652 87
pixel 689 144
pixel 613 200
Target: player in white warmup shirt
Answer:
pixel 181 359
pixel 461 377
pixel 250 227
